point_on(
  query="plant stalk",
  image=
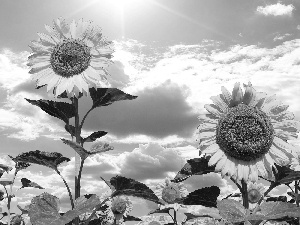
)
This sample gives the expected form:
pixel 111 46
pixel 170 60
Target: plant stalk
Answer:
pixel 77 157
pixel 68 188
pixel 245 194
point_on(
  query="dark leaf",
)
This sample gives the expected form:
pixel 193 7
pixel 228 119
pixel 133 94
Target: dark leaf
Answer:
pixel 280 173
pixel 65 95
pixel 106 96
pixel 190 216
pixel 29 183
pixel 70 129
pixel 1 195
pixel 128 186
pixel 49 159
pixel 94 136
pixel 196 166
pixel 6 182
pixel 43 209
pixel 275 199
pixel 61 110
pixel 23 210
pixel 16 220
pixel 165 210
pixel 19 165
pixel 206 196
pixel 5 168
pixel 97 148
pixel 293 176
pixel 1 173
pixel 131 218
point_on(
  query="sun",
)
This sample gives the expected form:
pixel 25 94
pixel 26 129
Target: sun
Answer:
pixel 124 3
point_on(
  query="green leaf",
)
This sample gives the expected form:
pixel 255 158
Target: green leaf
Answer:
pixel 5 168
pixel 196 166
pixel 100 147
pixel 49 159
pixel 275 210
pixel 128 186
pixel 106 96
pixel 131 218
pixel 6 182
pixel 94 136
pixel 61 110
pixel 16 220
pixel 29 183
pixel 276 199
pixel 1 195
pixel 44 208
pixel 70 129
pixel 83 204
pixel 190 216
pixel 164 210
pixel 206 196
pixel 24 210
pixel 232 210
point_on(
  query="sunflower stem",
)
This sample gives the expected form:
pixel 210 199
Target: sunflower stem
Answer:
pixel 77 157
pixel 175 220
pixel 83 119
pixel 68 188
pixel 8 204
pixel 245 194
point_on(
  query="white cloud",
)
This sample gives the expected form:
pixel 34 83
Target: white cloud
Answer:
pixel 298 27
pixel 276 10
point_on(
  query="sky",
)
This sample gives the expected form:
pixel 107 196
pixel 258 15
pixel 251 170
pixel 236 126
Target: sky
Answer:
pixel 173 55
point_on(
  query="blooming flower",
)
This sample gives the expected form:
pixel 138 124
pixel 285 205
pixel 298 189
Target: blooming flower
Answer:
pixel 116 208
pixel 169 192
pixel 71 58
pixel 246 133
pixel 255 192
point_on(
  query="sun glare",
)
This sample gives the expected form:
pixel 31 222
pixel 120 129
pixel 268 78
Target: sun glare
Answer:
pixel 124 3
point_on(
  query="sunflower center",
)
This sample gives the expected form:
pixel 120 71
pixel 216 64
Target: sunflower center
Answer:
pixel 170 193
pixel 253 196
pixel 245 133
pixel 70 57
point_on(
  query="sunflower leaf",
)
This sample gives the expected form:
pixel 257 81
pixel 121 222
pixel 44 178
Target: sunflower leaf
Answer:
pixel 16 220
pixel 44 209
pixel 276 199
pixel 70 129
pixel 61 110
pixel 196 166
pixel 49 159
pixel 5 168
pixel 285 175
pixel 77 147
pixel 206 196
pixel 6 182
pixel 165 210
pixel 106 96
pixel 94 136
pixel 131 218
pixel 1 195
pixel 128 186
pixel 232 210
pixel 24 210
pixel 190 216
pixel 28 183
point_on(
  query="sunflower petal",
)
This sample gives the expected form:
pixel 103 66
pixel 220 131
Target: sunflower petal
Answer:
pixel 219 103
pixel 279 157
pixel 62 28
pixel 213 110
pixel 249 95
pixel 46 39
pixel 237 95
pixel 261 168
pixel 39 47
pixel 289 148
pixel 253 176
pixel 216 157
pixel 212 149
pixel 54 34
pixel 226 96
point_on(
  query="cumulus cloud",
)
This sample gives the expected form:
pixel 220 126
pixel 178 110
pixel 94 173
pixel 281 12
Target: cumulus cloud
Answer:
pixel 276 10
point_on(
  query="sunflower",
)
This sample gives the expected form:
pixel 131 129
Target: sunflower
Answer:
pixel 255 192
pixel 169 191
pixel 71 58
pixel 246 133
pixel 116 208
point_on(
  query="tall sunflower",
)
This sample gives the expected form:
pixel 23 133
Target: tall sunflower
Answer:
pixel 246 133
pixel 71 58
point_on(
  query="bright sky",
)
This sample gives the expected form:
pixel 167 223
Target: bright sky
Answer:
pixel 173 55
